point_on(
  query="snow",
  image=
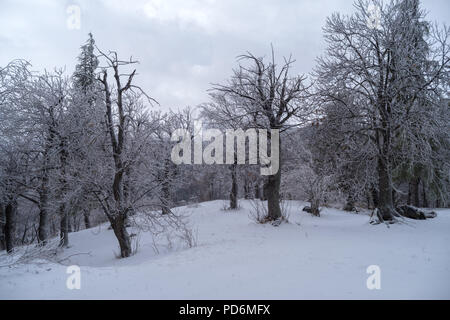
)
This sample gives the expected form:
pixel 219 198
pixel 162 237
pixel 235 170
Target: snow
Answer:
pixel 309 258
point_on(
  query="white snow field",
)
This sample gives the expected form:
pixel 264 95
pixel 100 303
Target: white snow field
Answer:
pixel 309 258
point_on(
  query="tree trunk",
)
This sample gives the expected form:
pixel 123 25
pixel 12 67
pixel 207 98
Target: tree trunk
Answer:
pixel 63 212
pixel 64 227
pixel 409 194
pixel 415 192
pixel 234 188
pixel 165 189
pixel 438 202
pixel 247 188
pixel 385 202
pixel 87 222
pixel 394 197
pixel 211 191
pixel 2 228
pixel 246 191
pixel 122 236
pixel 24 234
pixel 374 194
pixel 368 200
pixel 424 194
pixel 315 210
pixel 43 207
pixel 272 192
pixel 10 216
pixel 257 191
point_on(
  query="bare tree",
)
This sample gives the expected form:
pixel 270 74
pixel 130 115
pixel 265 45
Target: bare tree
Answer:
pixel 122 121
pixel 268 97
pixel 223 113
pixel 167 173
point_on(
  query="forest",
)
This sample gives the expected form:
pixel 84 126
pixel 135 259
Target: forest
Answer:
pixel 366 131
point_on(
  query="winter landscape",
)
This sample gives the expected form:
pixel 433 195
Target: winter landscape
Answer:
pixel 242 159
pixel 309 258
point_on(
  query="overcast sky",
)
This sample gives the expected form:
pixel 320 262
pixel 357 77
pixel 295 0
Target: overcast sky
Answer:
pixel 182 45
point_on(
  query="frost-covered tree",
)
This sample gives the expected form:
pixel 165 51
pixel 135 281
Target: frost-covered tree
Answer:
pixel 350 160
pixel 390 73
pixel 268 97
pixel 36 130
pixel 85 70
pixel 14 150
pixel 223 113
pixel 118 182
pixel 87 92
pixel 169 176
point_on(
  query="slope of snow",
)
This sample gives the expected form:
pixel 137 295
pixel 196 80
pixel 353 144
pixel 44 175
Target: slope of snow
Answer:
pixel 309 258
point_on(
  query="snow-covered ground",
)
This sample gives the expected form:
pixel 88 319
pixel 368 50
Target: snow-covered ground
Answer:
pixel 309 258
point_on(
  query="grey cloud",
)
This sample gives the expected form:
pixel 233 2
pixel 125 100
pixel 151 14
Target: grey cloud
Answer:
pixel 183 45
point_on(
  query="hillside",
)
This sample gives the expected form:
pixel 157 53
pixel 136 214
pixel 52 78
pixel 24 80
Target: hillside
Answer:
pixel 235 258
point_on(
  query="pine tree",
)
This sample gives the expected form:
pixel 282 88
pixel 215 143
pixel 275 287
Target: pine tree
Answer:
pixel 84 79
pixel 84 75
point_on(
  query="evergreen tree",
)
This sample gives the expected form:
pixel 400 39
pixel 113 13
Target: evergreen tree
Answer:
pixel 84 75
